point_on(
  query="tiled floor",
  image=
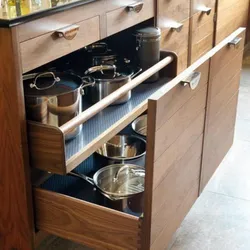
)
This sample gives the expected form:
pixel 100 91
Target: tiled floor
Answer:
pixel 220 219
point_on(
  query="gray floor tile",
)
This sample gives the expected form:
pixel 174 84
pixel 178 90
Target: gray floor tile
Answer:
pixel 216 222
pixel 232 178
pixel 243 111
pixel 242 130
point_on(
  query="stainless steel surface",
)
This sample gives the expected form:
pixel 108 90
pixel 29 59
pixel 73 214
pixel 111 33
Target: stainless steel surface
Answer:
pixel 124 149
pixel 139 125
pixel 100 68
pixel 193 80
pixel 54 102
pixel 205 10
pixel 135 7
pixel 235 42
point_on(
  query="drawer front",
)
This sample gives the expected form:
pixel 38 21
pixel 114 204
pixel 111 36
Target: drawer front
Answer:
pixel 89 224
pixel 202 29
pixel 231 15
pixel 45 48
pixel 122 18
pixel 177 41
pixel 221 107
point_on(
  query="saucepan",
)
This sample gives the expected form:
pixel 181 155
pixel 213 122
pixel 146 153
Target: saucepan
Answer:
pixel 121 184
pixel 139 125
pixel 107 79
pixel 54 98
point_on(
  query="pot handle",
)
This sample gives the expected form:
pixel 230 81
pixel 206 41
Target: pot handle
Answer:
pixel 136 73
pixel 86 82
pixel 97 46
pixel 34 84
pixel 83 177
pixel 100 68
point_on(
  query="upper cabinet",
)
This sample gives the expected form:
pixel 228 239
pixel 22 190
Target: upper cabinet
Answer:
pixel 201 28
pixel 231 14
pixel 173 19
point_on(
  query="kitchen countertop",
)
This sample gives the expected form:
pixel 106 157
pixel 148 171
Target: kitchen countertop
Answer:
pixel 16 12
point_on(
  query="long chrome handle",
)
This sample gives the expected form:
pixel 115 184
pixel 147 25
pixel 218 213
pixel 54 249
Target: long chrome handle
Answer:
pixel 68 33
pixel 176 26
pixel 193 80
pixel 235 42
pixel 135 7
pixel 205 10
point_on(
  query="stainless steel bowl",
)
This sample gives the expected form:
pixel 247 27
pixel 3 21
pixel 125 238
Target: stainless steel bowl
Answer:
pixel 123 149
pixel 139 125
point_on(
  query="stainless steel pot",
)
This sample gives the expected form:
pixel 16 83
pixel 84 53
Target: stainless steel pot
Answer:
pixel 108 79
pixel 123 149
pixel 139 125
pixel 122 185
pixel 54 98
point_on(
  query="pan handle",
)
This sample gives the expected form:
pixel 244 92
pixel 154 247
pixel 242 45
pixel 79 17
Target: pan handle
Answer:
pixel 100 68
pixel 83 177
pixel 86 82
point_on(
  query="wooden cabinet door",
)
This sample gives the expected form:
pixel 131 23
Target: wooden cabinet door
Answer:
pixel 201 28
pixel 231 14
pixel 221 106
pixel 173 19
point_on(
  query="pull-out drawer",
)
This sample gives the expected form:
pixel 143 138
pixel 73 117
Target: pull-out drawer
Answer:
pixel 50 46
pixel 202 28
pixel 221 106
pixel 129 15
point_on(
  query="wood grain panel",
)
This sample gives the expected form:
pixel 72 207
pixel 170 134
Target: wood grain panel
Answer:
pixel 89 224
pixel 179 122
pixel 230 16
pixel 224 74
pixel 47 149
pixel 218 140
pixel 178 96
pixel 198 4
pixel 48 47
pixel 173 154
pixel 177 42
pixel 179 214
pixel 16 213
pixel 172 10
pixel 121 19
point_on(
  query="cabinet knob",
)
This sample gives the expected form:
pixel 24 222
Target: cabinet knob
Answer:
pixel 235 42
pixel 135 7
pixel 68 33
pixel 205 10
pixel 193 80
pixel 176 26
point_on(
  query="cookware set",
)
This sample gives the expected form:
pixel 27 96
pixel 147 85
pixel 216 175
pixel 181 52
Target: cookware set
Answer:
pixel 55 97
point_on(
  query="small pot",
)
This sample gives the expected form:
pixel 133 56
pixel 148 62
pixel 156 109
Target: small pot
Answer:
pixel 108 79
pixel 139 125
pixel 54 98
pixel 123 149
pixel 121 185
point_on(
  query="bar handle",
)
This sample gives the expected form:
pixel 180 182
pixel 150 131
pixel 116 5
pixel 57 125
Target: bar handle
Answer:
pixel 135 7
pixel 68 33
pixel 192 81
pixel 205 10
pixel 235 42
pixel 176 26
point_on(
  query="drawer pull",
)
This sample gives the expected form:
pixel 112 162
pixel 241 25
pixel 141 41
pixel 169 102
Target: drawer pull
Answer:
pixel 177 26
pixel 135 7
pixel 193 80
pixel 205 10
pixel 68 33
pixel 235 42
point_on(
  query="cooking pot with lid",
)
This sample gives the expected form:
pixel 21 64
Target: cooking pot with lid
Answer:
pixel 54 98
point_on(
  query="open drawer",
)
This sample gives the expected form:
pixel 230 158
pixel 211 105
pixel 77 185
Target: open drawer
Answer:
pixel 175 139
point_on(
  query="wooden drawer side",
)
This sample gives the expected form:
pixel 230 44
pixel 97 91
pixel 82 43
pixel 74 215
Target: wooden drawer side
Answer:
pixel 89 224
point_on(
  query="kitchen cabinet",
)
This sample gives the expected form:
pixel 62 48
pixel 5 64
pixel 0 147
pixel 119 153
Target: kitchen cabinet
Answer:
pixel 189 129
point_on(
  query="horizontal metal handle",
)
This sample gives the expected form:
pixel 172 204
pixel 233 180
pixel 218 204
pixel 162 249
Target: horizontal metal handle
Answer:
pixel 235 42
pixel 135 7
pixel 193 80
pixel 205 10
pixel 68 33
pixel 177 26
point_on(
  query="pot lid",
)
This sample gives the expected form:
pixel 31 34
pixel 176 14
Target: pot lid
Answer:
pixel 120 180
pixel 149 32
pixel 50 84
